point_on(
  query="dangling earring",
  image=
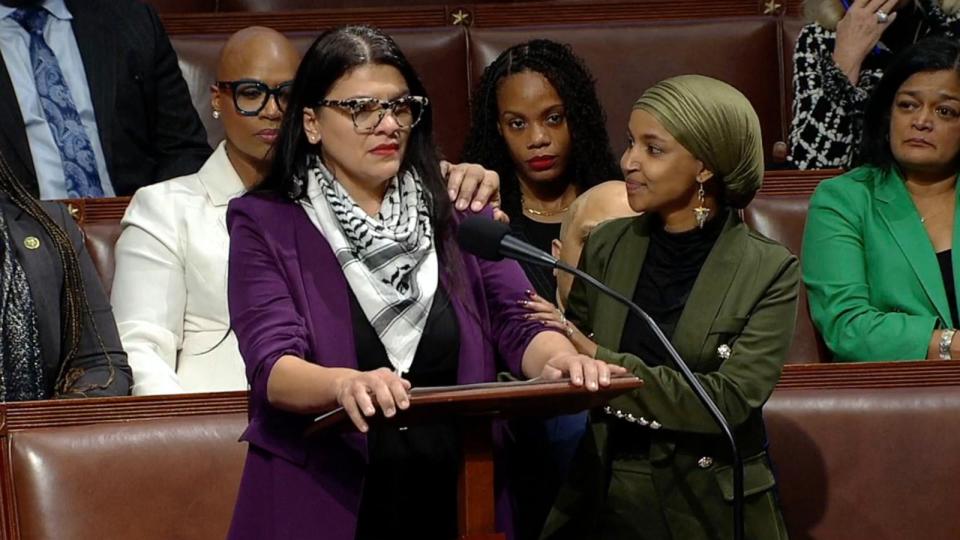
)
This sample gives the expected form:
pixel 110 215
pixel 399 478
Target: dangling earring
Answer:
pixel 701 212
pixel 216 114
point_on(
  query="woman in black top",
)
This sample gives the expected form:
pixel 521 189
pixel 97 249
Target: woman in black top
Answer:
pixel 538 123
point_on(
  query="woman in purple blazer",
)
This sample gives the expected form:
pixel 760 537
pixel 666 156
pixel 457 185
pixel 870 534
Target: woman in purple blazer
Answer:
pixel 346 288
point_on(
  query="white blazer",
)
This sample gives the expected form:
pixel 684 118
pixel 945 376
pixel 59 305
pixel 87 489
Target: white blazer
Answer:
pixel 170 285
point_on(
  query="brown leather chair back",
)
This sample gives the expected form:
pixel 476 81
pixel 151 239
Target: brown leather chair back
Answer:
pixel 867 464
pixel 100 238
pixel 627 58
pixel 791 31
pixel 783 219
pixel 145 479
pixel 438 54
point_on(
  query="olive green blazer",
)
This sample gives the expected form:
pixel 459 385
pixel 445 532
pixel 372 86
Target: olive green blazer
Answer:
pixel 745 297
pixel 875 288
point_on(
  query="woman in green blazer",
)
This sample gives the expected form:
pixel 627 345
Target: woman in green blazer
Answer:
pixel 878 257
pixel 654 465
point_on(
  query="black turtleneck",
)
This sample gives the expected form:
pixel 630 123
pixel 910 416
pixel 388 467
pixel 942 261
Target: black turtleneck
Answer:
pixel 671 267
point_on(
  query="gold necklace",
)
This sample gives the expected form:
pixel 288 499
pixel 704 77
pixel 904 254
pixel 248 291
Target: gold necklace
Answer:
pixel 541 213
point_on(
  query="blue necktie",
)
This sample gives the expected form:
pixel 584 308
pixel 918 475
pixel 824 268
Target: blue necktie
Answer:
pixel 76 152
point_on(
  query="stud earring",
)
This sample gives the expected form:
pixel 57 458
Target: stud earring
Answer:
pixel 216 114
pixel 701 212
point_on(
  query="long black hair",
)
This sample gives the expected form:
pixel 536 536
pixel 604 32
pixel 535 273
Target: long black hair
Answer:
pixel 931 54
pixel 329 58
pixel 591 159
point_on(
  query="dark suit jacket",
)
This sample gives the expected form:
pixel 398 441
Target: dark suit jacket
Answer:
pixel 745 297
pixel 148 126
pixel 44 272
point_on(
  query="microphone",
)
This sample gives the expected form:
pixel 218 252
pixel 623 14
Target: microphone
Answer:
pixel 491 240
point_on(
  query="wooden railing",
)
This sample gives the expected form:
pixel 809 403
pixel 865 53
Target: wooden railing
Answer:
pixel 288 18
pixel 794 183
pixel 775 183
pixel 813 405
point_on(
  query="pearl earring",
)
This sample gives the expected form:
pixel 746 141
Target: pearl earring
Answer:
pixel 216 114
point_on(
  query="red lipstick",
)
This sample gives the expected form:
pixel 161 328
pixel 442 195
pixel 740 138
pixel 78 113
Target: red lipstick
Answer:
pixel 387 149
pixel 542 163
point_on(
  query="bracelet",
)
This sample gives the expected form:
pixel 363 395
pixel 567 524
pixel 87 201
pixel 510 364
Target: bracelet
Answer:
pixel 946 338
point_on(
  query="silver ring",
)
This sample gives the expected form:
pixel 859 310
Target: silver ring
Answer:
pixel 563 319
pixel 882 16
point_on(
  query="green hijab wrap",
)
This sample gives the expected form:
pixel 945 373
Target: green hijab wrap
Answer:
pixel 715 123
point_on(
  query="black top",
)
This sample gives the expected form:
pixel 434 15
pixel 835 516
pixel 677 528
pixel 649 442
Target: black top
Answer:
pixel 669 271
pixel 540 236
pixel 410 489
pixel 910 27
pixel 946 270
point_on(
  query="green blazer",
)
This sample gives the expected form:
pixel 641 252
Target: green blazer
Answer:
pixel 745 297
pixel 874 285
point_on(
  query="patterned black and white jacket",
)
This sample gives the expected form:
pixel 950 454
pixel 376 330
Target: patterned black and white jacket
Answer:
pixel 827 108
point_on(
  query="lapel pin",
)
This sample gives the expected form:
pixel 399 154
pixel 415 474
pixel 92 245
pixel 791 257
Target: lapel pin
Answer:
pixel 723 351
pixel 31 242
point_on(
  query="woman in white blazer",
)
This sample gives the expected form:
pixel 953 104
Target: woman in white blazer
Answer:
pixel 170 283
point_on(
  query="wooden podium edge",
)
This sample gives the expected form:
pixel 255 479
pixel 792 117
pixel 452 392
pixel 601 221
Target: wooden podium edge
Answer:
pixel 483 395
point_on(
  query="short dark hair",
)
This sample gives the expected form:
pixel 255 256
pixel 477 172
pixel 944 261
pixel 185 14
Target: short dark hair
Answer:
pixel 329 58
pixel 591 160
pixel 931 54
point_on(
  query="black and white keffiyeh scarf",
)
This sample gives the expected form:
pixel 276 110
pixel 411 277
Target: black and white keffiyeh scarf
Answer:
pixel 388 259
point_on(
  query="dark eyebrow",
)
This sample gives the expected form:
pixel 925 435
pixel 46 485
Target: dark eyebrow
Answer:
pixel 402 94
pixel 652 137
pixel 942 95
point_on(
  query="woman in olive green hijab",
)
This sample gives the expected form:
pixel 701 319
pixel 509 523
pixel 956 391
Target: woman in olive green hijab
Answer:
pixel 654 465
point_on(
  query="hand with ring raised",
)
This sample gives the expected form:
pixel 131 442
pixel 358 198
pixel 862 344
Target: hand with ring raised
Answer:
pixel 544 311
pixel 859 31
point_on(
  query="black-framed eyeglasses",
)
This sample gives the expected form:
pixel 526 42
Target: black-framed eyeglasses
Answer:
pixel 250 96
pixel 367 113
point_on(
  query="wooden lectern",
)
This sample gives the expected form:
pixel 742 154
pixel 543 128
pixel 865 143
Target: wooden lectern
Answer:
pixel 476 406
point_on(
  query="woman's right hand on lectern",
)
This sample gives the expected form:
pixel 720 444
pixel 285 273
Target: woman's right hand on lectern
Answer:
pixel 361 393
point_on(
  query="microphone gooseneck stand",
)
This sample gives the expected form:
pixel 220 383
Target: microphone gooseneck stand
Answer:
pixel 513 248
